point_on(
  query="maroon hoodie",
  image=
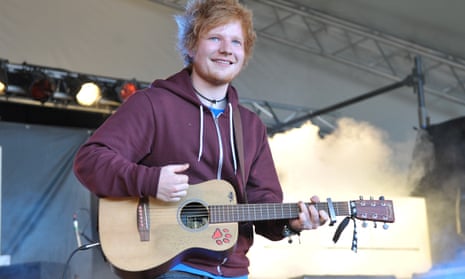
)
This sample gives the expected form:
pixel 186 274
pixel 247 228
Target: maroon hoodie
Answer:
pixel 167 124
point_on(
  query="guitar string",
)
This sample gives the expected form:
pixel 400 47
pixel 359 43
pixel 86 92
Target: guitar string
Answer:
pixel 259 206
pixel 243 212
pixel 287 210
pixel 241 207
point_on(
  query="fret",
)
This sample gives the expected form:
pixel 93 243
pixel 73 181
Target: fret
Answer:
pixel 341 208
pixel 267 211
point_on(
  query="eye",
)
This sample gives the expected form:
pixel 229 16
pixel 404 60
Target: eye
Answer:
pixel 237 42
pixel 214 39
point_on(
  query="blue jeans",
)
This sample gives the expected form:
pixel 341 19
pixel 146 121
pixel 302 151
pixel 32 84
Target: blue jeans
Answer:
pixel 180 275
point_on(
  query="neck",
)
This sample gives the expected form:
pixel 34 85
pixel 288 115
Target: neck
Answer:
pixel 209 101
pixel 209 94
pixel 208 89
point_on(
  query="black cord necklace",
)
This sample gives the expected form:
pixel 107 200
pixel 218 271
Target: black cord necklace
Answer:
pixel 212 101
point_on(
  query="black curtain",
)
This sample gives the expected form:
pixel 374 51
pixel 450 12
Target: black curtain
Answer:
pixel 40 196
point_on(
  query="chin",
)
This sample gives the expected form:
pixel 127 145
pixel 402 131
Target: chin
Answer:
pixel 222 80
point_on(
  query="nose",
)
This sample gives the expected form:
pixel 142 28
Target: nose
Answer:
pixel 226 48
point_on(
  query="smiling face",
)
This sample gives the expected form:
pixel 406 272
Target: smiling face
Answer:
pixel 219 54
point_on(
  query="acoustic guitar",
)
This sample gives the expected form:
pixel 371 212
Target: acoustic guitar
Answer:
pixel 144 237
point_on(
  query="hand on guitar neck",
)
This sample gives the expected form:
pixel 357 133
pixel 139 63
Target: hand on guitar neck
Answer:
pixel 309 216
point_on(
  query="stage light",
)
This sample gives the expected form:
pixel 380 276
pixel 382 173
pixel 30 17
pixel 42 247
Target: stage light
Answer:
pixel 89 94
pixel 126 90
pixel 29 83
pixel 26 82
pixel 2 87
pixel 42 86
pixel 3 77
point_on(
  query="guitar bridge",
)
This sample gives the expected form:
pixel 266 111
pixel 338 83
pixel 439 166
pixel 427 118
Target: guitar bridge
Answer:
pixel 143 223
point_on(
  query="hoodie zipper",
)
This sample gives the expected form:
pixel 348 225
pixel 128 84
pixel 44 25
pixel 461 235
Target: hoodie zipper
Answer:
pixel 220 145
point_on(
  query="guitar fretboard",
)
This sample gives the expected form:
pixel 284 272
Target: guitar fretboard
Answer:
pixel 267 211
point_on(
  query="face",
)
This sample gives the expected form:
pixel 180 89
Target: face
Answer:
pixel 219 56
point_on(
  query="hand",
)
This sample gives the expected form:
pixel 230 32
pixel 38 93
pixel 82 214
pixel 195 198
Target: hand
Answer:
pixel 172 186
pixel 309 217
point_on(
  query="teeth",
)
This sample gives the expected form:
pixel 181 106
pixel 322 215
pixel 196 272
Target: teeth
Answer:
pixel 223 62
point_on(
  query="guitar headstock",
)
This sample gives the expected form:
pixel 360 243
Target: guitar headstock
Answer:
pixel 373 210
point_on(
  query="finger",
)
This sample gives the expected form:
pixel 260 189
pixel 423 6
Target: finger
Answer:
pixel 314 216
pixel 180 186
pixel 303 207
pixel 182 180
pixel 305 223
pixel 177 168
pixel 320 217
pixel 324 217
pixel 304 217
pixel 179 194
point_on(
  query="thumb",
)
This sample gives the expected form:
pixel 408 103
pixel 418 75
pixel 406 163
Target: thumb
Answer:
pixel 179 168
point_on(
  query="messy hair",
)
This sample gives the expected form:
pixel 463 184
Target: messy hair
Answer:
pixel 203 15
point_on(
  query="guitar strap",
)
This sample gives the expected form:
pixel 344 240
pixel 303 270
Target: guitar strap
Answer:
pixel 237 123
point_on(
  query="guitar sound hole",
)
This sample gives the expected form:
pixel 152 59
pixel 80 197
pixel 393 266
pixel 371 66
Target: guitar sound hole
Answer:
pixel 194 216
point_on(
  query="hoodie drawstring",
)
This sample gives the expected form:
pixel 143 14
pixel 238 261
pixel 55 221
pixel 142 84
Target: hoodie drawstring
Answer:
pixel 201 134
pixel 231 138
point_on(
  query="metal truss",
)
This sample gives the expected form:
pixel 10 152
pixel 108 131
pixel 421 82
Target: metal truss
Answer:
pixel 278 117
pixel 296 25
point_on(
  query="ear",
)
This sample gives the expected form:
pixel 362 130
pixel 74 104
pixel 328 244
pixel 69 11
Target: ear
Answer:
pixel 191 54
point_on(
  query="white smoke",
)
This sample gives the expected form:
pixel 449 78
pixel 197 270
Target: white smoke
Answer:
pixel 357 159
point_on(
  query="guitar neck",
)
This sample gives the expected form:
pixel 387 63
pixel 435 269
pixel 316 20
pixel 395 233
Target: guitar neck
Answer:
pixel 267 211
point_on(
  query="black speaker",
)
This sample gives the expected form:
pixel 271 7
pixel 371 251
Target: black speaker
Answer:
pixel 439 154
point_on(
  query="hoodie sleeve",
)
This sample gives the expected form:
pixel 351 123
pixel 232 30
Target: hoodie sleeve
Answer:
pixel 267 191
pixel 262 182
pixel 109 163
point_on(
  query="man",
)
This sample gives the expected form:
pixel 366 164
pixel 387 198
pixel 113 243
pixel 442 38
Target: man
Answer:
pixel 181 131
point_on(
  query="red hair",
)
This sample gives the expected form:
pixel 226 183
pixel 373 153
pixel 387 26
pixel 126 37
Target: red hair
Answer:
pixel 203 15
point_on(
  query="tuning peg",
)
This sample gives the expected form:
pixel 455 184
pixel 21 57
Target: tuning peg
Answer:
pixel 361 197
pixel 371 198
pixel 385 226
pixel 381 198
pixel 375 225
pixel 364 224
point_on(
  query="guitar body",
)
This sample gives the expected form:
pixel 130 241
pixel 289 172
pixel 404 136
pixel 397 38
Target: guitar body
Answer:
pixel 174 230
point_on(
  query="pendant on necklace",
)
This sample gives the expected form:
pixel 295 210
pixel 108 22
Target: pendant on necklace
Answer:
pixel 212 101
